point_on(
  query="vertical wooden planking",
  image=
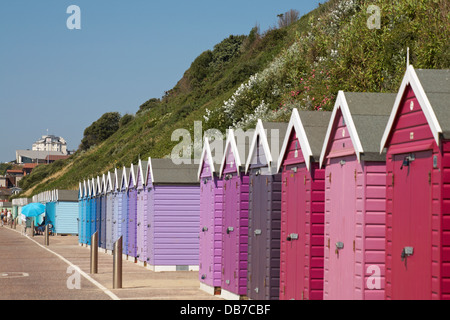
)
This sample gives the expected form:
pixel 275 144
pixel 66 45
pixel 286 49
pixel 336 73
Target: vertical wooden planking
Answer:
pixel 444 269
pixel 375 228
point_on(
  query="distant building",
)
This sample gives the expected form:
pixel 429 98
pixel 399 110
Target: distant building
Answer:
pixel 31 156
pixel 51 143
pixel 51 159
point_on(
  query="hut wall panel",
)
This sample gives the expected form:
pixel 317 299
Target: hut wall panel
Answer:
pixel 317 181
pixel 179 233
pixel 375 227
pixel 444 270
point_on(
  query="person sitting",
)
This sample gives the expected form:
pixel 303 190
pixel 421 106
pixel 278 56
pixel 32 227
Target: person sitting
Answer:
pixel 40 228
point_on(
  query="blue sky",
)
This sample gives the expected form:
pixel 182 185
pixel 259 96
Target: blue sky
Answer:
pixel 125 53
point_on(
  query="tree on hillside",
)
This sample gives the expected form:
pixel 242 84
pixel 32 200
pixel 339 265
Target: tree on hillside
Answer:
pixel 287 18
pixel 100 130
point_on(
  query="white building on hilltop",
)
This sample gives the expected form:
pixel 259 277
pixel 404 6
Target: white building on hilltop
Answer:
pixel 51 143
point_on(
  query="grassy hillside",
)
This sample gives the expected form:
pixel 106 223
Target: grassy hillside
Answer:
pixel 252 76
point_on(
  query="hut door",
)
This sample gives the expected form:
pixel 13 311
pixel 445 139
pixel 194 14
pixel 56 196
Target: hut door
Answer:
pixel 342 212
pixel 207 231
pixel 259 263
pixel 230 271
pixel 411 226
pixel 295 235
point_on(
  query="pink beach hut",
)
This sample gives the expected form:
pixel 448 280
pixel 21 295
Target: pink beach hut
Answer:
pixel 355 183
pixel 235 215
pixel 417 144
pixel 302 207
pixel 211 215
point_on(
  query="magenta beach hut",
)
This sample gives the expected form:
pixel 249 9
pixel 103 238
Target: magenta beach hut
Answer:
pixel 355 191
pixel 211 214
pixel 264 211
pixel 235 216
pixel 417 144
pixel 173 216
pixel 302 207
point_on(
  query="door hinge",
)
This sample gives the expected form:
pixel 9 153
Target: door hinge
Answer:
pixel 354 245
pixel 267 181
pixel 429 178
pixel 355 175
pixel 304 180
pixel 285 181
pixel 251 182
pixel 393 179
pixel 329 178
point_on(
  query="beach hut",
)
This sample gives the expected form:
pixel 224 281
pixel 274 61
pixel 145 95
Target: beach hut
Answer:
pixel 174 216
pixel 235 215
pixel 109 217
pixel 132 211
pixel 116 212
pixel 62 212
pixel 88 213
pixel 417 145
pixel 19 204
pixel 123 208
pixel 355 183
pixel 264 211
pixel 103 199
pixel 302 206
pixel 142 212
pixel 84 213
pixel 211 214
pixel 98 197
pixel 80 211
pixel 93 209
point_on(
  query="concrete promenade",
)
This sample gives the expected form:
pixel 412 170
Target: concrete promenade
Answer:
pixel 29 270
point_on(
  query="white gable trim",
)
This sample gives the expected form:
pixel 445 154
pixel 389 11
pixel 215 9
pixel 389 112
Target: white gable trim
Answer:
pixel 99 185
pixel 296 123
pixel 80 191
pixel 141 174
pixel 94 188
pixel 109 186
pixel 116 179
pixel 261 132
pixel 412 79
pixel 124 179
pixel 85 195
pixel 341 103
pixel 132 177
pixel 150 170
pixel 231 143
pixel 206 156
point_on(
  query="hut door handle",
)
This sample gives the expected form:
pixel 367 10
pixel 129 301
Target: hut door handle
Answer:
pixel 406 252
pixel 205 229
pixel 292 236
pixel 230 229
pixel 257 232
